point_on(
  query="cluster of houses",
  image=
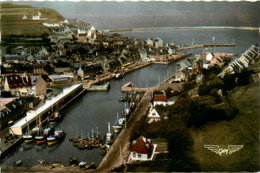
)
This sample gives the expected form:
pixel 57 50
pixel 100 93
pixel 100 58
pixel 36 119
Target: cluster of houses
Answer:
pixel 13 109
pixel 81 50
pixel 242 62
pixel 195 65
pixel 209 59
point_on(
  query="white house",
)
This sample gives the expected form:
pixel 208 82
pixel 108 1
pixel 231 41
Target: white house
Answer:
pixel 170 51
pixel 24 17
pixel 158 43
pixel 92 33
pixel 141 149
pixel 149 42
pixel 209 56
pixel 82 35
pixel 159 99
pixel 43 51
pixel 37 17
pixel 153 115
pixel 80 73
pixel 143 56
pixel 182 75
pixel 66 21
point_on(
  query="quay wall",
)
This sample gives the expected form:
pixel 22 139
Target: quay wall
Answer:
pixel 5 151
pixel 87 83
pixel 206 45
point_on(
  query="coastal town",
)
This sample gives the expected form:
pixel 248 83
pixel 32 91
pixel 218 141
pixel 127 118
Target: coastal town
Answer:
pixel 43 74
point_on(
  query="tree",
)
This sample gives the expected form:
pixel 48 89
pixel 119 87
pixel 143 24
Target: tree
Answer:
pixel 169 92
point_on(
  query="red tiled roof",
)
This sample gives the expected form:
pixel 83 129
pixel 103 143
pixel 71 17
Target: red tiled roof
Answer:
pixel 162 98
pixel 16 81
pixel 141 146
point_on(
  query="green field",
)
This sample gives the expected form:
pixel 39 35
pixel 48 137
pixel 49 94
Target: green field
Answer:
pixel 242 130
pixel 13 24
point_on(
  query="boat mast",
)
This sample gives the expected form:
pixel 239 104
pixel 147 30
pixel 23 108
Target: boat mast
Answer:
pixel 108 127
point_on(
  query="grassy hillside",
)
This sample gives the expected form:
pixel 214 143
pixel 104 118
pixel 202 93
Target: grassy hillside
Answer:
pixel 13 24
pixel 242 130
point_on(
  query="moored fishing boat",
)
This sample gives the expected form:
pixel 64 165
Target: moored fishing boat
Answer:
pixel 18 162
pixel 90 165
pixel 56 117
pixel 28 137
pixel 121 121
pixel 57 137
pixel 102 152
pixel 119 125
pixel 82 164
pixel 73 160
pixel 119 75
pixel 42 136
pixel 117 128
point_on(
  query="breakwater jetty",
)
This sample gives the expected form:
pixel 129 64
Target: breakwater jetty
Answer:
pixel 182 28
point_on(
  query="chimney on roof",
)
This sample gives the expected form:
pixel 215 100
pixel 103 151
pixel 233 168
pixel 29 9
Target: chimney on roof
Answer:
pixel 147 146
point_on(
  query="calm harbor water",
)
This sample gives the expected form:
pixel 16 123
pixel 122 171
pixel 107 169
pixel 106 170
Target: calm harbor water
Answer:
pixel 92 110
pixel 96 109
